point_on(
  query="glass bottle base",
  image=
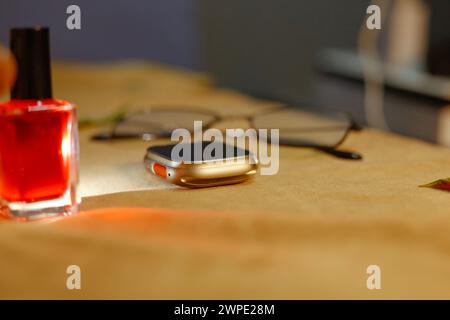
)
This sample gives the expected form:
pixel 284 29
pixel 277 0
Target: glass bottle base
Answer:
pixel 31 211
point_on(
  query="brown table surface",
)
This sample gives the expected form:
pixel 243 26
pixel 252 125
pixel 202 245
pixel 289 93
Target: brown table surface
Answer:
pixel 308 232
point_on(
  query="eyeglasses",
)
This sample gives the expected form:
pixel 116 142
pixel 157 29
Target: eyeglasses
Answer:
pixel 321 130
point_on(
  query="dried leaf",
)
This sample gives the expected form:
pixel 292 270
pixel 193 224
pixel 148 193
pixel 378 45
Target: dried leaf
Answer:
pixel 442 184
pixel 108 120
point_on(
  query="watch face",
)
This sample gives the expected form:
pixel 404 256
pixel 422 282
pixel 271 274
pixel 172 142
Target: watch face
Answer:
pixel 199 151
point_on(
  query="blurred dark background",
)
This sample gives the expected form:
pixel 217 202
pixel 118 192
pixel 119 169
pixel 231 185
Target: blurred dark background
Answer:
pixel 113 29
pixel 269 47
pixel 261 46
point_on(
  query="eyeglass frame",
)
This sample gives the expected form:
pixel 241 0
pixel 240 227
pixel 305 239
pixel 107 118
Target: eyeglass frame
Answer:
pixel 217 118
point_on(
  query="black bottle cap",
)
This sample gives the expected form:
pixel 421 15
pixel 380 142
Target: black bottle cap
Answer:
pixel 31 48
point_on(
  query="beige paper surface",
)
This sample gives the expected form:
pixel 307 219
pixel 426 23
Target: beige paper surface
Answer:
pixel 310 231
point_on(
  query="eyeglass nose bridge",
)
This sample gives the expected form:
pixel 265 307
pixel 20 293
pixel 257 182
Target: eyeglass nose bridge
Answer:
pixel 219 121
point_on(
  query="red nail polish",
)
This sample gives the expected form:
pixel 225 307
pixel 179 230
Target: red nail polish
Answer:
pixel 38 137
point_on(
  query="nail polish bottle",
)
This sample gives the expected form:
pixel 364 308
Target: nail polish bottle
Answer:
pixel 38 137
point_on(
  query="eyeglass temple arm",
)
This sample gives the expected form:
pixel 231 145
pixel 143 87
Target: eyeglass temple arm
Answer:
pixel 349 155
